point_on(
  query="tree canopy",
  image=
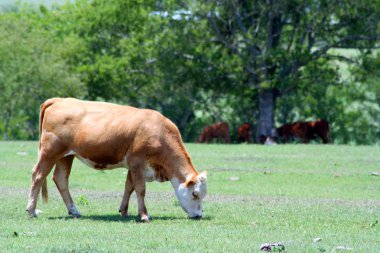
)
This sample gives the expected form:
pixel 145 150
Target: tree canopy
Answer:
pixel 264 62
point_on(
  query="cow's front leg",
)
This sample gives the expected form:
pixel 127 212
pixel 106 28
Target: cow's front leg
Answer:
pixel 136 168
pixel 129 188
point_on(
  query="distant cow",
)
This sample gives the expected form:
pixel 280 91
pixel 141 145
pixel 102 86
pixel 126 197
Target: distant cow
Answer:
pixel 106 136
pixel 305 130
pixel 245 133
pixel 215 131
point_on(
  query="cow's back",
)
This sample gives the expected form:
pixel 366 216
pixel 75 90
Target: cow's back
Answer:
pixel 217 130
pixel 101 132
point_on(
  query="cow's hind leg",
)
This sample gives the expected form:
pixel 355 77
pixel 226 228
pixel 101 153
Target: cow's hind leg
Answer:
pixel 129 188
pixel 324 137
pixel 61 179
pixel 137 170
pixel 39 174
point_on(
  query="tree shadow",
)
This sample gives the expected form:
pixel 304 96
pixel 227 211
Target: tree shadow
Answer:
pixel 118 218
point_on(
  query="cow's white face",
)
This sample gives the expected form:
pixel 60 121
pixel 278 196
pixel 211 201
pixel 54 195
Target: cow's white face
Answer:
pixel 190 196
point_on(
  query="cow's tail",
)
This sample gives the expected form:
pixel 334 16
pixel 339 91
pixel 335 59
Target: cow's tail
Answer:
pixel 44 191
pixel 43 108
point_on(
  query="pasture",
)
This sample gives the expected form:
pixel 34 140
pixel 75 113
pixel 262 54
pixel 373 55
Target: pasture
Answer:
pixel 256 194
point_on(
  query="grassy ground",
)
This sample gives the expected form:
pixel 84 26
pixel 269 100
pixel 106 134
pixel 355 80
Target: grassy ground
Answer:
pixel 256 194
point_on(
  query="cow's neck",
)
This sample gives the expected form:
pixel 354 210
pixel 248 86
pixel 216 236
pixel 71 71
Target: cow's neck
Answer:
pixel 181 166
pixel 183 171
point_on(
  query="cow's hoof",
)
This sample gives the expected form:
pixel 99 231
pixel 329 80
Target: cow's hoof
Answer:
pixel 75 215
pixel 145 218
pixel 34 213
pixel 124 214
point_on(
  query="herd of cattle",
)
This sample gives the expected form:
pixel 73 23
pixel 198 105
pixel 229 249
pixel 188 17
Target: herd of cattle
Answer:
pixel 302 130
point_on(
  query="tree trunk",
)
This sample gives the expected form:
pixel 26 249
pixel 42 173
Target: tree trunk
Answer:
pixel 266 113
pixel 6 126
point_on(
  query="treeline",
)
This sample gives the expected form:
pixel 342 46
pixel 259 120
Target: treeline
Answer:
pixel 198 62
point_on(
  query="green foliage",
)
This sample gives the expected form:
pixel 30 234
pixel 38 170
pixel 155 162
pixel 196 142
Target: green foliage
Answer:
pixel 284 47
pixel 349 103
pixel 196 62
pixel 31 70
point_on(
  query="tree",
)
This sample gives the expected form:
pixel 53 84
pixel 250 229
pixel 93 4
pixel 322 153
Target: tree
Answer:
pixel 276 40
pixel 31 70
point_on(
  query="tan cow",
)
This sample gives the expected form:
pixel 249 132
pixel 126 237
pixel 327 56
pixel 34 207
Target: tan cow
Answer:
pixel 107 136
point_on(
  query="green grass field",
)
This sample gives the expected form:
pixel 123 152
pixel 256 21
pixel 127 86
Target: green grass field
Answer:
pixel 256 194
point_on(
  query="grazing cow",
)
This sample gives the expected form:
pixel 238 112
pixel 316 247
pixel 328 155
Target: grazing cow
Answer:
pixel 106 136
pixel 245 133
pixel 306 131
pixel 217 130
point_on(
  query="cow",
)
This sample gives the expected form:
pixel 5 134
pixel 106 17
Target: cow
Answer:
pixel 305 130
pixel 107 136
pixel 319 128
pixel 217 130
pixel 245 133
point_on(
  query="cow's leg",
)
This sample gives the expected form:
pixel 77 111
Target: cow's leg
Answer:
pixel 227 139
pixel 324 137
pixel 39 174
pixel 61 180
pixel 137 169
pixel 305 140
pixel 50 151
pixel 129 188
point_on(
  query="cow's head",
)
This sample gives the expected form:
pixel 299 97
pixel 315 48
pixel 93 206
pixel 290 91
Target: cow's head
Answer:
pixel 191 193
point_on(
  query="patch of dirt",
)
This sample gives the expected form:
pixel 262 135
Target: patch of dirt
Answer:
pixel 245 159
pixel 6 192
pixel 275 201
pixel 245 169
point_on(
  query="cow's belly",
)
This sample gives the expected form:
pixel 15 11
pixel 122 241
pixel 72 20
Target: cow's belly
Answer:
pixel 149 171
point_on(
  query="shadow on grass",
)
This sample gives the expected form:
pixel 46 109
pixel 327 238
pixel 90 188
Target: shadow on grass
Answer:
pixel 118 218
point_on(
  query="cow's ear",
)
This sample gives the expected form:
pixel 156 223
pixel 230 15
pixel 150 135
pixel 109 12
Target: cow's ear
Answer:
pixel 203 177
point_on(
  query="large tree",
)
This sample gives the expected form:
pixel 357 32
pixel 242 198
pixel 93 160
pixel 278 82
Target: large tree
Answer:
pixel 275 40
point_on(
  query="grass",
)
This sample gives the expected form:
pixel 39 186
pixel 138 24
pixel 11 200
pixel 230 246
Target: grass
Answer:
pixel 256 194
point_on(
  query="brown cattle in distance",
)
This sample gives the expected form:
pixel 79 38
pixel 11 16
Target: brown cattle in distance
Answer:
pixel 106 136
pixel 305 130
pixel 245 133
pixel 215 131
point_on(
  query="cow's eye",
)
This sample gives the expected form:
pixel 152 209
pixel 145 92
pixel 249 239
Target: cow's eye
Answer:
pixel 195 196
